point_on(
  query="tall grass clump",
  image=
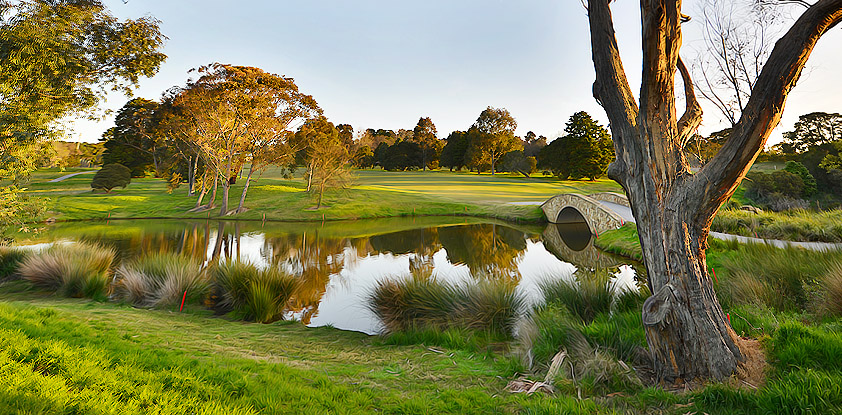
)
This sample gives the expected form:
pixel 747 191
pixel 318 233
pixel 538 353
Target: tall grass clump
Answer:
pixel 10 261
pixel 782 279
pixel 259 295
pixel 792 225
pixel 160 280
pixel 586 296
pixel 419 304
pixel 73 270
pixel 832 287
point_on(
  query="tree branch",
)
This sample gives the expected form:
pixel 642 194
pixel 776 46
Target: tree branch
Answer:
pixel 692 117
pixel 611 88
pixel 718 179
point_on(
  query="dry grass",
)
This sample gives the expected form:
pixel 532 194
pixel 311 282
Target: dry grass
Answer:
pixel 161 280
pixel 74 270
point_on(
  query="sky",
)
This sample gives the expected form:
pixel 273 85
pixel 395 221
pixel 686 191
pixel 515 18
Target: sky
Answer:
pixel 384 64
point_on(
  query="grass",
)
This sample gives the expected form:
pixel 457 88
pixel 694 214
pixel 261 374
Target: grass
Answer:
pixel 376 194
pixel 161 280
pixel 73 270
pixel 423 304
pixel 10 260
pixel 794 225
pixel 259 295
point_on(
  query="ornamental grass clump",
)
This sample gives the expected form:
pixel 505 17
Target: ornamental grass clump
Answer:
pixel 161 280
pixel 10 261
pixel 259 295
pixel 586 296
pixel 73 270
pixel 832 287
pixel 424 303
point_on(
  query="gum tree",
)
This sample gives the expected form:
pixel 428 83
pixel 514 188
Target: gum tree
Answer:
pixel 686 330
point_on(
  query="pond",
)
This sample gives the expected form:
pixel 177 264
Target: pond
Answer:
pixel 339 263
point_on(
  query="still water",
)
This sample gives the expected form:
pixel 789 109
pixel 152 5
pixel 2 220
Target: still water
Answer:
pixel 339 263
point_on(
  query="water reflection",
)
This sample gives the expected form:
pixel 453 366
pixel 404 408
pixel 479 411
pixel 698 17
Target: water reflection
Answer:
pixel 339 263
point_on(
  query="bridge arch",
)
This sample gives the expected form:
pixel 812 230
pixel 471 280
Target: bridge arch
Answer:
pixel 572 207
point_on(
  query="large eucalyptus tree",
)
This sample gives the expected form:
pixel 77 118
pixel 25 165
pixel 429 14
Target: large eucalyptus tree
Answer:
pixel 687 332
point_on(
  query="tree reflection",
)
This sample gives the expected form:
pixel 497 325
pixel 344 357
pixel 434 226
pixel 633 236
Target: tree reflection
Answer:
pixel 489 250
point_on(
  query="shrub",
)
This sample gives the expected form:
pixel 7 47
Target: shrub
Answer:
pixel 74 270
pixel 799 169
pixel 160 280
pixel 10 260
pixel 111 176
pixel 260 295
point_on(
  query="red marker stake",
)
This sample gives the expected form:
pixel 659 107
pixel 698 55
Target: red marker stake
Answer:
pixel 184 297
pixel 714 275
pixel 729 317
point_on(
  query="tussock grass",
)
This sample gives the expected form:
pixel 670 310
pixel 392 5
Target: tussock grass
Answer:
pixel 586 296
pixel 425 303
pixel 73 270
pixel 259 295
pixel 160 280
pixel 10 260
pixel 832 284
pixel 787 279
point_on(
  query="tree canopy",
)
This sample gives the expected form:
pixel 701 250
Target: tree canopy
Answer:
pixel 60 57
pixel 585 150
pixel 490 137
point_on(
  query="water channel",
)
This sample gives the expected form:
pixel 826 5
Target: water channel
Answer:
pixel 339 263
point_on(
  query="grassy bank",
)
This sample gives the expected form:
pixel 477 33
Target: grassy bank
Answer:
pixel 375 194
pixel 794 225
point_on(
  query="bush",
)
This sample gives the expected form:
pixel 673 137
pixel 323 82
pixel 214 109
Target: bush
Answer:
pixel 260 295
pixel 74 270
pixel 111 176
pixel 160 280
pixel 10 260
pixel 799 169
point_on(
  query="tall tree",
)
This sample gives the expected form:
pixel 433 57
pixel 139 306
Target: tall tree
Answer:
pixel 687 332
pixel 453 153
pixel 585 150
pixel 59 58
pixel 136 130
pixel 236 114
pixel 424 134
pixel 491 136
pixel 326 157
pixel 811 130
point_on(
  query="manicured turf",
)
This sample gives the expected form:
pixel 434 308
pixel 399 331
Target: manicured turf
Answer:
pixel 376 193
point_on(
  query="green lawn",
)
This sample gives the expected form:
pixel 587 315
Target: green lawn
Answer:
pixel 375 194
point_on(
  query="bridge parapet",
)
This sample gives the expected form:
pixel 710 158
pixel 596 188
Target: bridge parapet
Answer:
pixel 598 217
pixel 616 198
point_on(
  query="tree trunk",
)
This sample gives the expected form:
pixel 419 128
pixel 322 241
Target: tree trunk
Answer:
pixel 202 192
pixel 226 186
pixel 245 190
pixel 309 177
pixel 687 333
pixel 321 192
pixel 213 194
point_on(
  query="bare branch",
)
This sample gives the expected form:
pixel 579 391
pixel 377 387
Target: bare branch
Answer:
pixel 692 117
pixel 717 180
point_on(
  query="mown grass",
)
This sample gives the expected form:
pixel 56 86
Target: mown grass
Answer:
pixel 74 357
pixel 376 194
pixel 793 225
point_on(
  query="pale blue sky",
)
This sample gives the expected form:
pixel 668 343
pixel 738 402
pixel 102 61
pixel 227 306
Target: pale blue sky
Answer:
pixel 384 64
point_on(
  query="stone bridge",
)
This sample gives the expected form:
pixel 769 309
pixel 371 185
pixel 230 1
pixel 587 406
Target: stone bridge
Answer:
pixel 598 210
